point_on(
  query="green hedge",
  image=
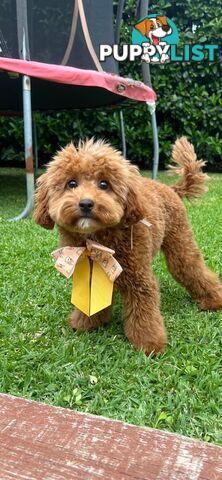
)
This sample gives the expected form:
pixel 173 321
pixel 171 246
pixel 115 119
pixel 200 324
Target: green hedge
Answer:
pixel 189 99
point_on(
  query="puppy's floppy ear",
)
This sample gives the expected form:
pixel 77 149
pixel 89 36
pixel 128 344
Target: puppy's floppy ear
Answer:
pixel 135 208
pixel 143 26
pixel 41 214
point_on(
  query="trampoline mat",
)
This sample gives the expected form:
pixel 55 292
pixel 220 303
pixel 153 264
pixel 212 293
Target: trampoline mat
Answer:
pixel 50 29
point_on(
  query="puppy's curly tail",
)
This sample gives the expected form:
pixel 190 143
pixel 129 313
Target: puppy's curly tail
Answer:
pixel 192 183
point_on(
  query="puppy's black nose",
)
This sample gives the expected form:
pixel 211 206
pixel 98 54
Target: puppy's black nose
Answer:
pixel 86 205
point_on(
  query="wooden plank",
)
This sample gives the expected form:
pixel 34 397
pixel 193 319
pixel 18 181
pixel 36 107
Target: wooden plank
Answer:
pixel 41 442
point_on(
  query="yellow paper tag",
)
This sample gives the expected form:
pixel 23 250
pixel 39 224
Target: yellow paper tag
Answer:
pixel 92 291
pixel 81 286
pixel 101 289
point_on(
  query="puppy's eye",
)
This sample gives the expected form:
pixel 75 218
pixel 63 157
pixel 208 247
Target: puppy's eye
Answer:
pixel 72 184
pixel 103 185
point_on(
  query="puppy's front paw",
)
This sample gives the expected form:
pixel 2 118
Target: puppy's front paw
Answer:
pixel 79 321
pixel 210 302
pixel 148 343
pixel 151 347
pixel 164 58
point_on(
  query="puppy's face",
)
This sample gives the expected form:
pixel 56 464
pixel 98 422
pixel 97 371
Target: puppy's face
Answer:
pixel 87 189
pixel 154 28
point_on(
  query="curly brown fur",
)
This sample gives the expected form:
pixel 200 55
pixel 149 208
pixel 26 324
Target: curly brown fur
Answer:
pixel 128 199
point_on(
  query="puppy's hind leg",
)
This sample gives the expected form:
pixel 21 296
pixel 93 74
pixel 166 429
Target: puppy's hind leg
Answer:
pixel 186 264
pixel 79 321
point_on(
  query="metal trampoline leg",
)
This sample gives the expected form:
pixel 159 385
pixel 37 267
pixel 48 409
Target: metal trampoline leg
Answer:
pixel 143 11
pixel 155 146
pixel 27 114
pixel 122 130
pixel 119 16
pixel 36 155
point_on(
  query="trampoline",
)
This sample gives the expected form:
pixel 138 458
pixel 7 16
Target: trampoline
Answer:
pixel 49 50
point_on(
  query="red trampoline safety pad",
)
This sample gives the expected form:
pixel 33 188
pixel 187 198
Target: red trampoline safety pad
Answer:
pixel 124 87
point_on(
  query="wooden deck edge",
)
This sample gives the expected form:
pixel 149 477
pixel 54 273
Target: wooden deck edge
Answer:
pixel 39 441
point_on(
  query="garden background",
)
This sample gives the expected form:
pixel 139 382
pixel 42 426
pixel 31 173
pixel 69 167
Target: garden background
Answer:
pixel 189 100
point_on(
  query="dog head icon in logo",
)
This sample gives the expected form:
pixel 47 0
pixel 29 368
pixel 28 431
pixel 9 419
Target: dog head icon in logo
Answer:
pixel 154 28
pixel 157 31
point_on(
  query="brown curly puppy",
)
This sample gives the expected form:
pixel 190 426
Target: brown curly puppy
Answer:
pixel 92 192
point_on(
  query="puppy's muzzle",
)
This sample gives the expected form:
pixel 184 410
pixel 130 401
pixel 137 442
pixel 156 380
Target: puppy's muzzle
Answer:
pixel 86 205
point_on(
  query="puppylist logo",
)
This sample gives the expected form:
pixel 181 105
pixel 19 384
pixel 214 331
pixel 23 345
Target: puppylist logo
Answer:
pixel 155 39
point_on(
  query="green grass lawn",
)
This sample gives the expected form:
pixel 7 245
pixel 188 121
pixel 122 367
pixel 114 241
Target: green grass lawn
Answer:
pixel 100 373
